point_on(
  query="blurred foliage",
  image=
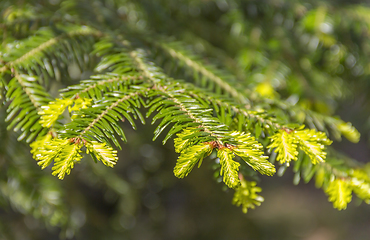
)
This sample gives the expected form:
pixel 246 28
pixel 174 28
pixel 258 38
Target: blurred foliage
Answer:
pixel 275 65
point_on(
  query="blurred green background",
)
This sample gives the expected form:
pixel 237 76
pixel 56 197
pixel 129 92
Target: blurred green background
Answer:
pixel 313 53
pixel 141 199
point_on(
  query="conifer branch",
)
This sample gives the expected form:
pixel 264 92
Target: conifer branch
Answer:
pixel 47 44
pixel 317 120
pixel 99 84
pixel 143 67
pixel 339 193
pixel 187 111
pixel 246 195
pixel 229 168
pixel 109 81
pixel 200 68
pixel 190 157
pixel 244 110
pixel 26 90
pixel 106 111
pixel 26 98
pixel 204 107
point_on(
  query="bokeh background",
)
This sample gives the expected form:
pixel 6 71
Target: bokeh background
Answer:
pixel 314 53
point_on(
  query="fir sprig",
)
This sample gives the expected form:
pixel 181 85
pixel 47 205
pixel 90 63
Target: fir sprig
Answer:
pixel 128 76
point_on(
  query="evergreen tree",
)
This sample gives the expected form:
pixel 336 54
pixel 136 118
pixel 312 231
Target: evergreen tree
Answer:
pixel 250 87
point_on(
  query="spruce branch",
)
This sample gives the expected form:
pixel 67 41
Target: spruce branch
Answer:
pixel 190 157
pixel 229 168
pixel 26 98
pixel 100 84
pixel 251 152
pixel 207 71
pixel 44 42
pixel 337 176
pixel 285 146
pixel 51 112
pixel 236 109
pixel 339 193
pixel 66 159
pixel 312 143
pixel 186 112
pixel 102 152
pixel 206 109
pixel 315 120
pixel 106 114
pixel 50 149
pixel 246 195
pixel 29 89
